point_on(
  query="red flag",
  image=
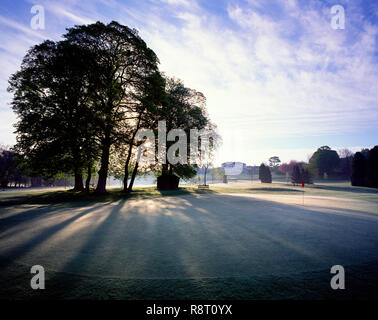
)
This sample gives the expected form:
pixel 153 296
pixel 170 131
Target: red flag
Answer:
pixel 302 184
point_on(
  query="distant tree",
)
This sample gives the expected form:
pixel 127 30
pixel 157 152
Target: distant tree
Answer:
pixel 268 175
pixel 296 177
pixel 325 160
pixel 206 150
pixel 265 175
pixel 306 176
pixel 217 173
pixel 358 177
pixel 346 158
pixel 274 162
pixel 345 153
pixel 10 171
pixel 287 167
pixel 372 168
pixel 365 152
pixel 261 172
pixel 6 167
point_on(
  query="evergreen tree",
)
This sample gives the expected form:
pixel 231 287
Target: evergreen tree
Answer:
pixel 358 177
pixel 372 168
pixel 268 175
pixel 306 176
pixel 296 177
pixel 261 172
pixel 265 175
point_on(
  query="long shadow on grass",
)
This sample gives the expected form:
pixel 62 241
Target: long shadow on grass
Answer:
pixel 212 237
pixel 20 250
pixel 72 197
pixel 119 244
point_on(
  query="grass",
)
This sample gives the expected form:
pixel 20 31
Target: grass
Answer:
pixel 42 196
pixel 213 247
pixel 300 286
pixel 341 189
pixel 338 189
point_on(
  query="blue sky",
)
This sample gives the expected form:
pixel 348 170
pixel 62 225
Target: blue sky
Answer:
pixel 279 80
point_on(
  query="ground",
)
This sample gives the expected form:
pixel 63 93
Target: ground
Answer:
pixel 236 241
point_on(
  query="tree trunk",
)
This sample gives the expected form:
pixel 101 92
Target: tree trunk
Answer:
pixel 103 172
pixel 89 176
pixel 205 176
pixel 133 175
pixel 126 177
pixel 164 170
pixel 78 181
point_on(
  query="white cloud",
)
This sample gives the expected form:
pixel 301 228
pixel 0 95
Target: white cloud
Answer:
pixel 268 77
pixel 20 27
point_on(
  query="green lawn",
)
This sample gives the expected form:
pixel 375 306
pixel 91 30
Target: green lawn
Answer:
pixel 235 241
pixel 341 189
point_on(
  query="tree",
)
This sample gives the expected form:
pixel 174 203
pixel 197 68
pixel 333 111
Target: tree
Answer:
pixel 6 167
pixel 296 177
pixel 306 176
pixel 346 157
pixel 372 168
pixel 325 160
pixel 118 66
pixel 208 143
pixel 10 171
pixel 148 105
pixel 358 177
pixel 287 167
pixel 54 131
pixel 265 175
pixel 185 110
pixel 81 101
pixel 268 175
pixel 274 162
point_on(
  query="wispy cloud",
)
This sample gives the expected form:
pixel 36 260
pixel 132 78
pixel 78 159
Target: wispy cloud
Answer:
pixel 20 27
pixel 269 69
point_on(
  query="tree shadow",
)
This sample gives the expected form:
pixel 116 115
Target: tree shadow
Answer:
pixel 20 250
pixel 203 240
pixel 346 189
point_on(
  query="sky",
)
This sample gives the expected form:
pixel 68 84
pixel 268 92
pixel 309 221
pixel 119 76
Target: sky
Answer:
pixel 279 78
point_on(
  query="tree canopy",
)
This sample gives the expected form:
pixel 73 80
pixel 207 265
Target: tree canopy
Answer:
pixel 265 175
pixel 325 160
pixel 81 101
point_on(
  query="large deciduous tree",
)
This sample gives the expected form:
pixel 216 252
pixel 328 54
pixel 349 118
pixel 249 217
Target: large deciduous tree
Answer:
pixel 325 160
pixel 51 101
pixel 120 63
pixel 183 109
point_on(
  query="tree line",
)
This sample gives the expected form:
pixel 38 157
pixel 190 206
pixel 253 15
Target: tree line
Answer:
pixel 365 168
pixel 360 168
pixel 14 175
pixel 81 101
